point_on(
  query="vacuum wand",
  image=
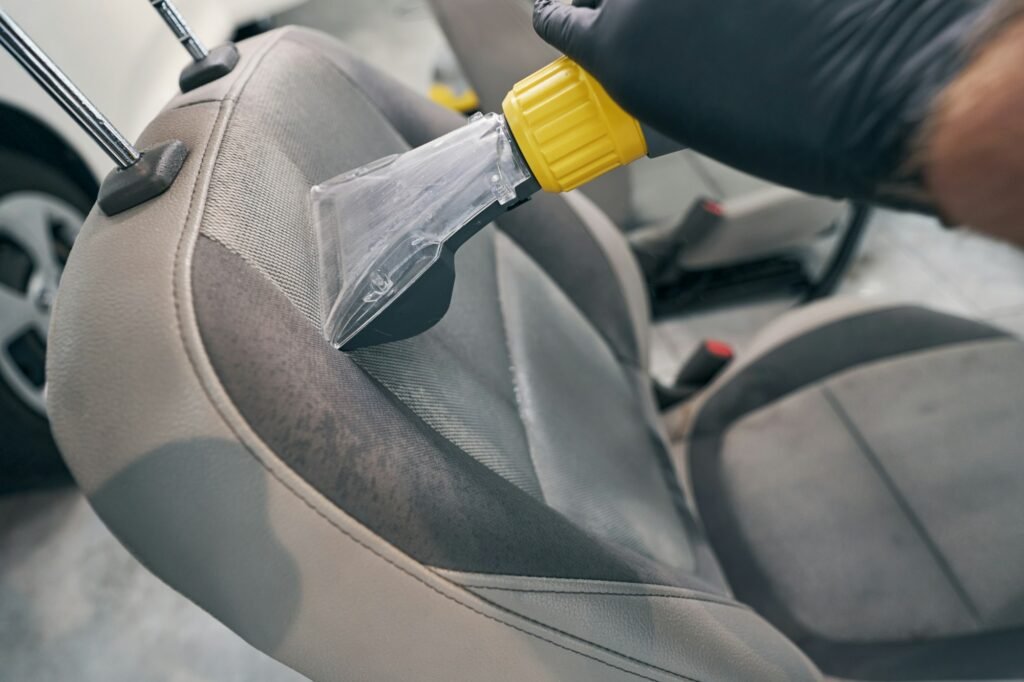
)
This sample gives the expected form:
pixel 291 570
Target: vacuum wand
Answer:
pixel 387 232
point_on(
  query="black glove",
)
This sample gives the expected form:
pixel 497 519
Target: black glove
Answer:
pixel 828 96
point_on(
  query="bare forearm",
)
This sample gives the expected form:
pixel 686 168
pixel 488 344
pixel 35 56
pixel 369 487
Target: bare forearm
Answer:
pixel 974 151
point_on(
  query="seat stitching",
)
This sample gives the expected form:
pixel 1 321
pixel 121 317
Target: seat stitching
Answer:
pixel 904 504
pixel 513 373
pixel 309 504
pixel 708 600
pixel 212 100
pixel 245 259
pixel 237 254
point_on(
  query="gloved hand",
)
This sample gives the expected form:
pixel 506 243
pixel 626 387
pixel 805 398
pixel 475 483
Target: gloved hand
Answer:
pixel 827 96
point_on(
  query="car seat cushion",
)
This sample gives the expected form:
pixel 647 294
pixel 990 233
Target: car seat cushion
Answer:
pixel 342 429
pixel 466 378
pixel 859 483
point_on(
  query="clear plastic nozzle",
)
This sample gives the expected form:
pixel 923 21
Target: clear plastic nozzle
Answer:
pixel 172 17
pixel 381 227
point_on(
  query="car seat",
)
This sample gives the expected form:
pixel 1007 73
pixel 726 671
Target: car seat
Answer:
pixel 496 46
pixel 498 498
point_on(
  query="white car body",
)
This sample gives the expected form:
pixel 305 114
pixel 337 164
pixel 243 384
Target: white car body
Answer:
pixel 119 53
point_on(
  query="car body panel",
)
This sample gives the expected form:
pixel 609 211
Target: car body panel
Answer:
pixel 120 54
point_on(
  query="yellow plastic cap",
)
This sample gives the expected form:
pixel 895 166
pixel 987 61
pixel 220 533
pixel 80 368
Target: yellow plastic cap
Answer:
pixel 568 128
pixel 446 96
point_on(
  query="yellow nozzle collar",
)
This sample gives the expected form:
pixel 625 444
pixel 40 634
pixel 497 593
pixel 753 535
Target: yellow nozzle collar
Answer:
pixel 568 128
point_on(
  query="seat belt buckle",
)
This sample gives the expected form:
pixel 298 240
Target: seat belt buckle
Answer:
pixel 705 364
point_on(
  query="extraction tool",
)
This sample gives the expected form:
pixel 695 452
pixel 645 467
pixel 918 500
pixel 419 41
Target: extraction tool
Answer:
pixel 388 232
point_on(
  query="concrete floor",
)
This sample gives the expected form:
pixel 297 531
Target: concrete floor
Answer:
pixel 74 605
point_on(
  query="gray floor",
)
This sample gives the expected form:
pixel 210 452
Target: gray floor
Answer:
pixel 75 606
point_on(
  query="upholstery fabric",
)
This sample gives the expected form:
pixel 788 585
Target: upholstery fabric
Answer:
pixel 463 378
pixel 284 488
pixel 860 492
pixel 363 448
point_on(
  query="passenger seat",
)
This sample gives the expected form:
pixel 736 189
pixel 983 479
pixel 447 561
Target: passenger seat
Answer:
pixel 497 499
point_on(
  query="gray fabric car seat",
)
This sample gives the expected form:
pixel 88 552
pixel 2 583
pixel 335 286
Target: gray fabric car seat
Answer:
pixel 433 509
pixel 860 478
pixel 494 499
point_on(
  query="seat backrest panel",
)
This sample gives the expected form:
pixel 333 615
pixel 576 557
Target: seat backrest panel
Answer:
pixel 604 471
pixel 224 389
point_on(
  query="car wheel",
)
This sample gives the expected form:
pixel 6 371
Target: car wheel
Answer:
pixel 41 213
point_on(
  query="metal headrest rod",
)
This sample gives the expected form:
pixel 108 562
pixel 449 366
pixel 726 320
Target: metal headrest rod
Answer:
pixel 172 17
pixel 139 176
pixel 207 66
pixel 64 92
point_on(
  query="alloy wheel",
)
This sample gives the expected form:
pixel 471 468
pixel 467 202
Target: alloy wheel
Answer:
pixel 36 234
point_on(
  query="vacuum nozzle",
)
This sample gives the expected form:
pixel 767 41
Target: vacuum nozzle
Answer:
pixel 388 231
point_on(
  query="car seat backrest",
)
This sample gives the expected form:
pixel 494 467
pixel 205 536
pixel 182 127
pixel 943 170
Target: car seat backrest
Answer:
pixel 434 507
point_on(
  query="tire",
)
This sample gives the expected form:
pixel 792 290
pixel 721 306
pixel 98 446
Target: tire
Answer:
pixel 28 455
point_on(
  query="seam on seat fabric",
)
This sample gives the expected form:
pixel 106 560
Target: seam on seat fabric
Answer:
pixel 513 373
pixel 244 259
pixel 915 521
pixel 212 100
pixel 682 597
pixel 186 346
